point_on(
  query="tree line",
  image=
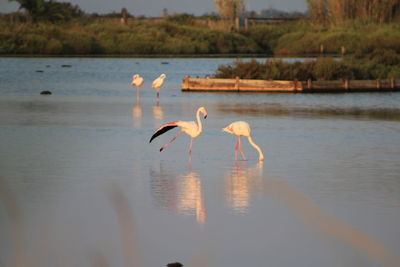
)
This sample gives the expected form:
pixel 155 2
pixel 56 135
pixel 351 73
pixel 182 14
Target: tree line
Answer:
pixel 52 11
pixel 342 11
pixel 322 11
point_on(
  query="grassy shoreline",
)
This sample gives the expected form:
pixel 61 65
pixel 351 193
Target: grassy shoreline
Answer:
pixel 367 50
pixel 238 56
pixel 166 38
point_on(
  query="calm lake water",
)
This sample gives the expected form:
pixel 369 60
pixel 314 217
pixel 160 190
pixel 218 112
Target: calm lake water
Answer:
pixel 80 185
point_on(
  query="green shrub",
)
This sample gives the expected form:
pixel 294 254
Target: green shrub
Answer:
pixel 31 44
pixel 320 69
pixel 243 70
pixel 330 69
pixel 394 73
pixel 183 19
pixel 136 44
pixel 53 47
pixel 77 43
pixel 385 57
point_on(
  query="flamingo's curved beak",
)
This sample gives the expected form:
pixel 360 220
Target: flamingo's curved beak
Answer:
pixel 205 116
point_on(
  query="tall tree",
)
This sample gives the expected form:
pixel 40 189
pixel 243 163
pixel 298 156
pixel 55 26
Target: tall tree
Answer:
pixel 317 10
pixel 51 10
pixel 340 11
pixel 34 8
pixel 229 9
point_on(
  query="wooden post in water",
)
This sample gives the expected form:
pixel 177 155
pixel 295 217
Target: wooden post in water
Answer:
pixel 346 84
pixel 237 23
pixel 186 82
pixel 392 85
pixel 237 83
pixel 309 84
pixel 295 85
pixel 378 84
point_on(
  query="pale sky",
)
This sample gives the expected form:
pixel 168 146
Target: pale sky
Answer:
pixel 154 8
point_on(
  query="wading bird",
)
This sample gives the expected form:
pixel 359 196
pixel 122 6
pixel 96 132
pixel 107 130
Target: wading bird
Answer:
pixel 157 83
pixel 240 128
pixel 138 81
pixel 192 128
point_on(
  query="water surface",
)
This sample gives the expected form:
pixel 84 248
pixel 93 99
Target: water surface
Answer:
pixel 80 185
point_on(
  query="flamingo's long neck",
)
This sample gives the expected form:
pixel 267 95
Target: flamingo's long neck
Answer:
pixel 261 155
pixel 199 124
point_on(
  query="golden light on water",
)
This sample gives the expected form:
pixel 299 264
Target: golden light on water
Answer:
pixel 137 116
pixel 137 111
pixel 240 182
pixel 191 198
pixel 158 113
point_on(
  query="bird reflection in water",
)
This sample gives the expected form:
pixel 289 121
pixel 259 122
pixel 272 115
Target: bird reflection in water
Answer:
pixel 191 197
pixel 158 113
pixel 240 182
pixel 137 112
pixel 180 193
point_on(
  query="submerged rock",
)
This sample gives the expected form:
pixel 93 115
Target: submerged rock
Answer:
pixel 175 264
pixel 45 92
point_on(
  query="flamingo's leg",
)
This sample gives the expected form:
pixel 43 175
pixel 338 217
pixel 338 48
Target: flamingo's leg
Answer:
pixel 173 139
pixel 158 92
pixel 190 146
pixel 137 95
pixel 240 148
pixel 236 148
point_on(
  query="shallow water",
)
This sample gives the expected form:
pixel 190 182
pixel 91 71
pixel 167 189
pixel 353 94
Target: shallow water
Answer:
pixel 80 185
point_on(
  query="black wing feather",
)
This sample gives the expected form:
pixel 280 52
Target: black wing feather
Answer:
pixel 162 130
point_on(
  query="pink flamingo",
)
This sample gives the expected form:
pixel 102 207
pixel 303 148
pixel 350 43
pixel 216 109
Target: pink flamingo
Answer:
pixel 240 128
pixel 157 83
pixel 138 81
pixel 192 128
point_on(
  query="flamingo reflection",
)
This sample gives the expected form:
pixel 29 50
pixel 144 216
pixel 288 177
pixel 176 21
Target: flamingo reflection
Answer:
pixel 240 182
pixel 137 112
pixel 180 193
pixel 191 199
pixel 158 113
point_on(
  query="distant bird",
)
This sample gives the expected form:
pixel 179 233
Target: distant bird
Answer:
pixel 242 128
pixel 192 128
pixel 157 83
pixel 138 81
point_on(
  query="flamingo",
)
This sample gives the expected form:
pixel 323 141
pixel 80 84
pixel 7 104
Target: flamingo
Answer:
pixel 242 128
pixel 192 128
pixel 157 83
pixel 138 81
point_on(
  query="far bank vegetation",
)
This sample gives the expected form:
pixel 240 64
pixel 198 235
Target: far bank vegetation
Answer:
pixel 357 27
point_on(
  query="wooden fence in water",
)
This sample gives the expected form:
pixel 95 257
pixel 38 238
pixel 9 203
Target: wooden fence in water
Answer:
pixel 249 85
